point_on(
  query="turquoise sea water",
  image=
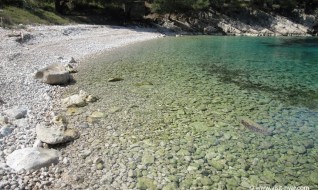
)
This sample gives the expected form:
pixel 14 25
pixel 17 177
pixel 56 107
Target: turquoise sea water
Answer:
pixel 178 111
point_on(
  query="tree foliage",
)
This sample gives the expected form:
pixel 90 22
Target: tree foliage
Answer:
pixel 169 6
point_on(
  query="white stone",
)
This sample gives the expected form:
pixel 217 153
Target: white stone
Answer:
pixel 53 74
pixel 37 143
pixel 32 158
pixel 76 100
pixel 17 112
pixel 55 135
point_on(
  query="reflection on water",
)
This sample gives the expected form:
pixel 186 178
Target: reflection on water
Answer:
pixel 176 118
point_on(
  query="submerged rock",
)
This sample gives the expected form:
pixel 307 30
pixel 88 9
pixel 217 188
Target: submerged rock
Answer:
pixel 148 158
pixel 253 126
pixel 217 164
pixel 55 135
pixel 55 74
pixel 95 116
pixel 146 183
pixel 115 79
pixel 32 158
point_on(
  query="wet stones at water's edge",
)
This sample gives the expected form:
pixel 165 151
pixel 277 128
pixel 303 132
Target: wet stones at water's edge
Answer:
pixel 32 158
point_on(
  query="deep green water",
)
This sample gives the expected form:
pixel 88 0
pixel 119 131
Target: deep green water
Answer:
pixel 181 102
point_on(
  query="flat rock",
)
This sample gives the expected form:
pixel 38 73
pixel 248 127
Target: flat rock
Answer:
pixel 17 112
pixel 115 79
pixel 54 74
pixel 6 130
pixel 76 100
pixel 55 135
pixel 32 158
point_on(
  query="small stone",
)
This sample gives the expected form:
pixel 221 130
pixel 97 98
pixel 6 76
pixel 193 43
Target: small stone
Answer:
pixel 232 183
pixel 314 177
pixel 6 130
pixel 192 168
pixel 66 161
pixel 91 99
pixel 148 158
pixel 37 143
pixel 76 100
pixel 115 109
pixel 23 122
pixel 299 149
pixel 3 120
pixel 83 125
pixel 86 153
pixel 200 126
pixel 268 176
pixel 72 111
pixel 144 183
pixel 308 143
pixel 170 186
pixel 97 160
pixel 107 179
pixel 132 173
pixel 266 145
pixel 218 165
pixel 99 166
pixel 17 112
pixel 59 120
pixel 206 181
pixel 97 114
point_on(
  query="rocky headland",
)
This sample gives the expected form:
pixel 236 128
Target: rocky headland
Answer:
pixel 247 22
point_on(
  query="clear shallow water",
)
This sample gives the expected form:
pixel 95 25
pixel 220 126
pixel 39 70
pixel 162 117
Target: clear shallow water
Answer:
pixel 178 112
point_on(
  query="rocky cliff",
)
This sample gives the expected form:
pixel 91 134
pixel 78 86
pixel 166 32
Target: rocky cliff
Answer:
pixel 243 23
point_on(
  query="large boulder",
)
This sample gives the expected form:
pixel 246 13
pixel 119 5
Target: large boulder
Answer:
pixel 55 135
pixel 32 158
pixel 55 74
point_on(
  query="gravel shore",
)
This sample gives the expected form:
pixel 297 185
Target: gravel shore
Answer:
pixel 20 59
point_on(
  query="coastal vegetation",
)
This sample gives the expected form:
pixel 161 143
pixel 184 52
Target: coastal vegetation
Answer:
pixel 103 11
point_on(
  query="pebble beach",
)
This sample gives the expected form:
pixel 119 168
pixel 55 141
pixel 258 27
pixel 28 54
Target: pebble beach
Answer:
pixel 23 52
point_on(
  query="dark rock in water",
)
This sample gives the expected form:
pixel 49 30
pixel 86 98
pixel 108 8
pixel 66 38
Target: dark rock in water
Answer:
pixel 253 126
pixel 115 79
